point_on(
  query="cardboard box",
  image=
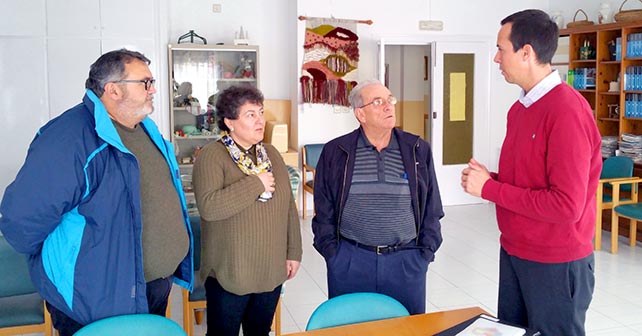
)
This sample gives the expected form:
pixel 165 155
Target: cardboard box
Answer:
pixel 276 133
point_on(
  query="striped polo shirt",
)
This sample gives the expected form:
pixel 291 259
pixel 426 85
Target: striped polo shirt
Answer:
pixel 378 210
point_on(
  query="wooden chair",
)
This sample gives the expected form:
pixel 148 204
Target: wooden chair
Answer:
pixel 630 208
pixel 615 169
pixel 309 158
pixel 22 310
pixel 194 303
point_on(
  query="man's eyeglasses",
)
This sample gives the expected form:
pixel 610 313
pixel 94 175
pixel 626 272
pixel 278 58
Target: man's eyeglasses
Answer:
pixel 148 82
pixel 380 101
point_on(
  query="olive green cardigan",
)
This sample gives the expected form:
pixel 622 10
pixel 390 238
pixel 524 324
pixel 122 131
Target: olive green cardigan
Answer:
pixel 245 242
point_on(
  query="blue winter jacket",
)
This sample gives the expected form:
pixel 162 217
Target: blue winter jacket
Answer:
pixel 333 179
pixel 75 210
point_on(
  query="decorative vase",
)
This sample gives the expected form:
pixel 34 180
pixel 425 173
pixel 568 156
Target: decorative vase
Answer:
pixel 605 13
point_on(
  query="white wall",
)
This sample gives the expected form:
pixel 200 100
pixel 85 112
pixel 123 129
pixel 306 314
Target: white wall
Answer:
pixel 46 47
pixel 475 19
pixel 591 7
pixel 266 21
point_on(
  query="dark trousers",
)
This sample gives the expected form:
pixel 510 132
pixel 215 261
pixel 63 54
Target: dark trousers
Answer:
pixel 226 311
pixel 157 295
pixel 551 298
pixel 401 275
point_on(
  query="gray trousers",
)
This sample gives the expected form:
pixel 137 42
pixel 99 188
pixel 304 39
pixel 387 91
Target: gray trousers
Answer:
pixel 550 298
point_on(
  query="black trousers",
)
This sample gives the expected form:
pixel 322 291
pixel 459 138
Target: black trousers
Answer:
pixel 157 294
pixel 226 311
pixel 550 298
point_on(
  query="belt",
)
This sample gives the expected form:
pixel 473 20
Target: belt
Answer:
pixel 384 249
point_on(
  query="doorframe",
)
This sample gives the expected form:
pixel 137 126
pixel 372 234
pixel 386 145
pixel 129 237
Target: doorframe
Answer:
pixel 482 87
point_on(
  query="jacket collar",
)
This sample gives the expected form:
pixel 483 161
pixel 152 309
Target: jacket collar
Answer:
pixel 105 127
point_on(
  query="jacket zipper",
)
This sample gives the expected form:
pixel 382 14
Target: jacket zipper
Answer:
pixel 414 154
pixel 343 188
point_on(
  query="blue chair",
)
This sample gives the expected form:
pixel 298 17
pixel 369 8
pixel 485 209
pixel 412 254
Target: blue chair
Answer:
pixel 135 324
pixel 616 178
pixel 22 310
pixel 310 154
pixel 355 308
pixel 194 303
pixel 629 208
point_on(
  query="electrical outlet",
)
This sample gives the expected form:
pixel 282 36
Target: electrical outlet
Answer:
pixel 431 25
pixel 216 8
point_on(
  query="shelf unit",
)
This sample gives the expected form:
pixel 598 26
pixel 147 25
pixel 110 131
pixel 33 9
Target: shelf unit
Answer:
pixel 196 74
pixel 607 70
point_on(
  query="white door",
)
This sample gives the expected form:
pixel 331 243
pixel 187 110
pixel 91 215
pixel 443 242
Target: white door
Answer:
pixel 460 112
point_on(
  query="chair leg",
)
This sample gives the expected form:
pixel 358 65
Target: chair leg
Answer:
pixel 188 323
pixel 198 316
pixel 48 324
pixel 633 230
pixel 598 230
pixel 615 225
pixel 304 197
pixel 276 323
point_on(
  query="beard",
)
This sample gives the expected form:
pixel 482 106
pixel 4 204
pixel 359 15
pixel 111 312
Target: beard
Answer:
pixel 138 109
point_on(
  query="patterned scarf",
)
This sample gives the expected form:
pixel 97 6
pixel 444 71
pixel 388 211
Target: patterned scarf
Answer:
pixel 244 162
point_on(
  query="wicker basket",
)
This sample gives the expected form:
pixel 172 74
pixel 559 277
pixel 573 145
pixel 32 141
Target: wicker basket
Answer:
pixel 580 23
pixel 629 14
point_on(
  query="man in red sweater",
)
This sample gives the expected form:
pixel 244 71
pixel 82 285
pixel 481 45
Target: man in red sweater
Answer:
pixel 545 187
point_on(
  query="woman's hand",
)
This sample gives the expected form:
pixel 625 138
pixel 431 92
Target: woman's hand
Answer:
pixel 268 181
pixel 292 266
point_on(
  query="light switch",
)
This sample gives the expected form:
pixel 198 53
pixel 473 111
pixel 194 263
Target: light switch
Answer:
pixel 216 8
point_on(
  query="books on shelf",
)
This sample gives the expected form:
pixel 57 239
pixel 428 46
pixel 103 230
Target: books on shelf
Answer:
pixel 609 145
pixel 631 146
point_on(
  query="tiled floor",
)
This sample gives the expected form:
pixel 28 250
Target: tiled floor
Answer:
pixel 465 274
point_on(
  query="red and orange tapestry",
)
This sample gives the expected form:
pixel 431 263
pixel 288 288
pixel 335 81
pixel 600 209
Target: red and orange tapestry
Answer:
pixel 330 61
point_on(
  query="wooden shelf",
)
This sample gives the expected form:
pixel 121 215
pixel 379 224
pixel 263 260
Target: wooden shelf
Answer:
pixel 583 61
pixel 609 119
pixel 610 93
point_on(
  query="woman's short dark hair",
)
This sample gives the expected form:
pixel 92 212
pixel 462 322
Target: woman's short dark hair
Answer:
pixel 534 27
pixel 110 67
pixel 230 101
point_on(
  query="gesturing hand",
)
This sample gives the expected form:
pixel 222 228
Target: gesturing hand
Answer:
pixel 473 177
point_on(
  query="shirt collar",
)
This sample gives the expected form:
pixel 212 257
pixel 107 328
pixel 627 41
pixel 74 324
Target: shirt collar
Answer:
pixel 364 142
pixel 542 88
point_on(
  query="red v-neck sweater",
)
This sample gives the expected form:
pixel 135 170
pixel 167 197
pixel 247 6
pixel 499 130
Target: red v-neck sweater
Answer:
pixel 545 188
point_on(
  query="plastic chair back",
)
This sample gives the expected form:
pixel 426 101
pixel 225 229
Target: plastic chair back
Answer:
pixel 617 166
pixel 195 222
pixel 14 276
pixel 312 154
pixel 355 308
pixel 137 324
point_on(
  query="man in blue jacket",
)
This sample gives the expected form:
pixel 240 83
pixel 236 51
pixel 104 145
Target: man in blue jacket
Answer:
pixel 377 205
pixel 98 205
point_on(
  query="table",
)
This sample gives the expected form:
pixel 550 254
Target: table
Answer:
pixel 423 324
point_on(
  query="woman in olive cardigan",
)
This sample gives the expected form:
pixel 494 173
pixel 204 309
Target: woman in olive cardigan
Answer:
pixel 251 238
